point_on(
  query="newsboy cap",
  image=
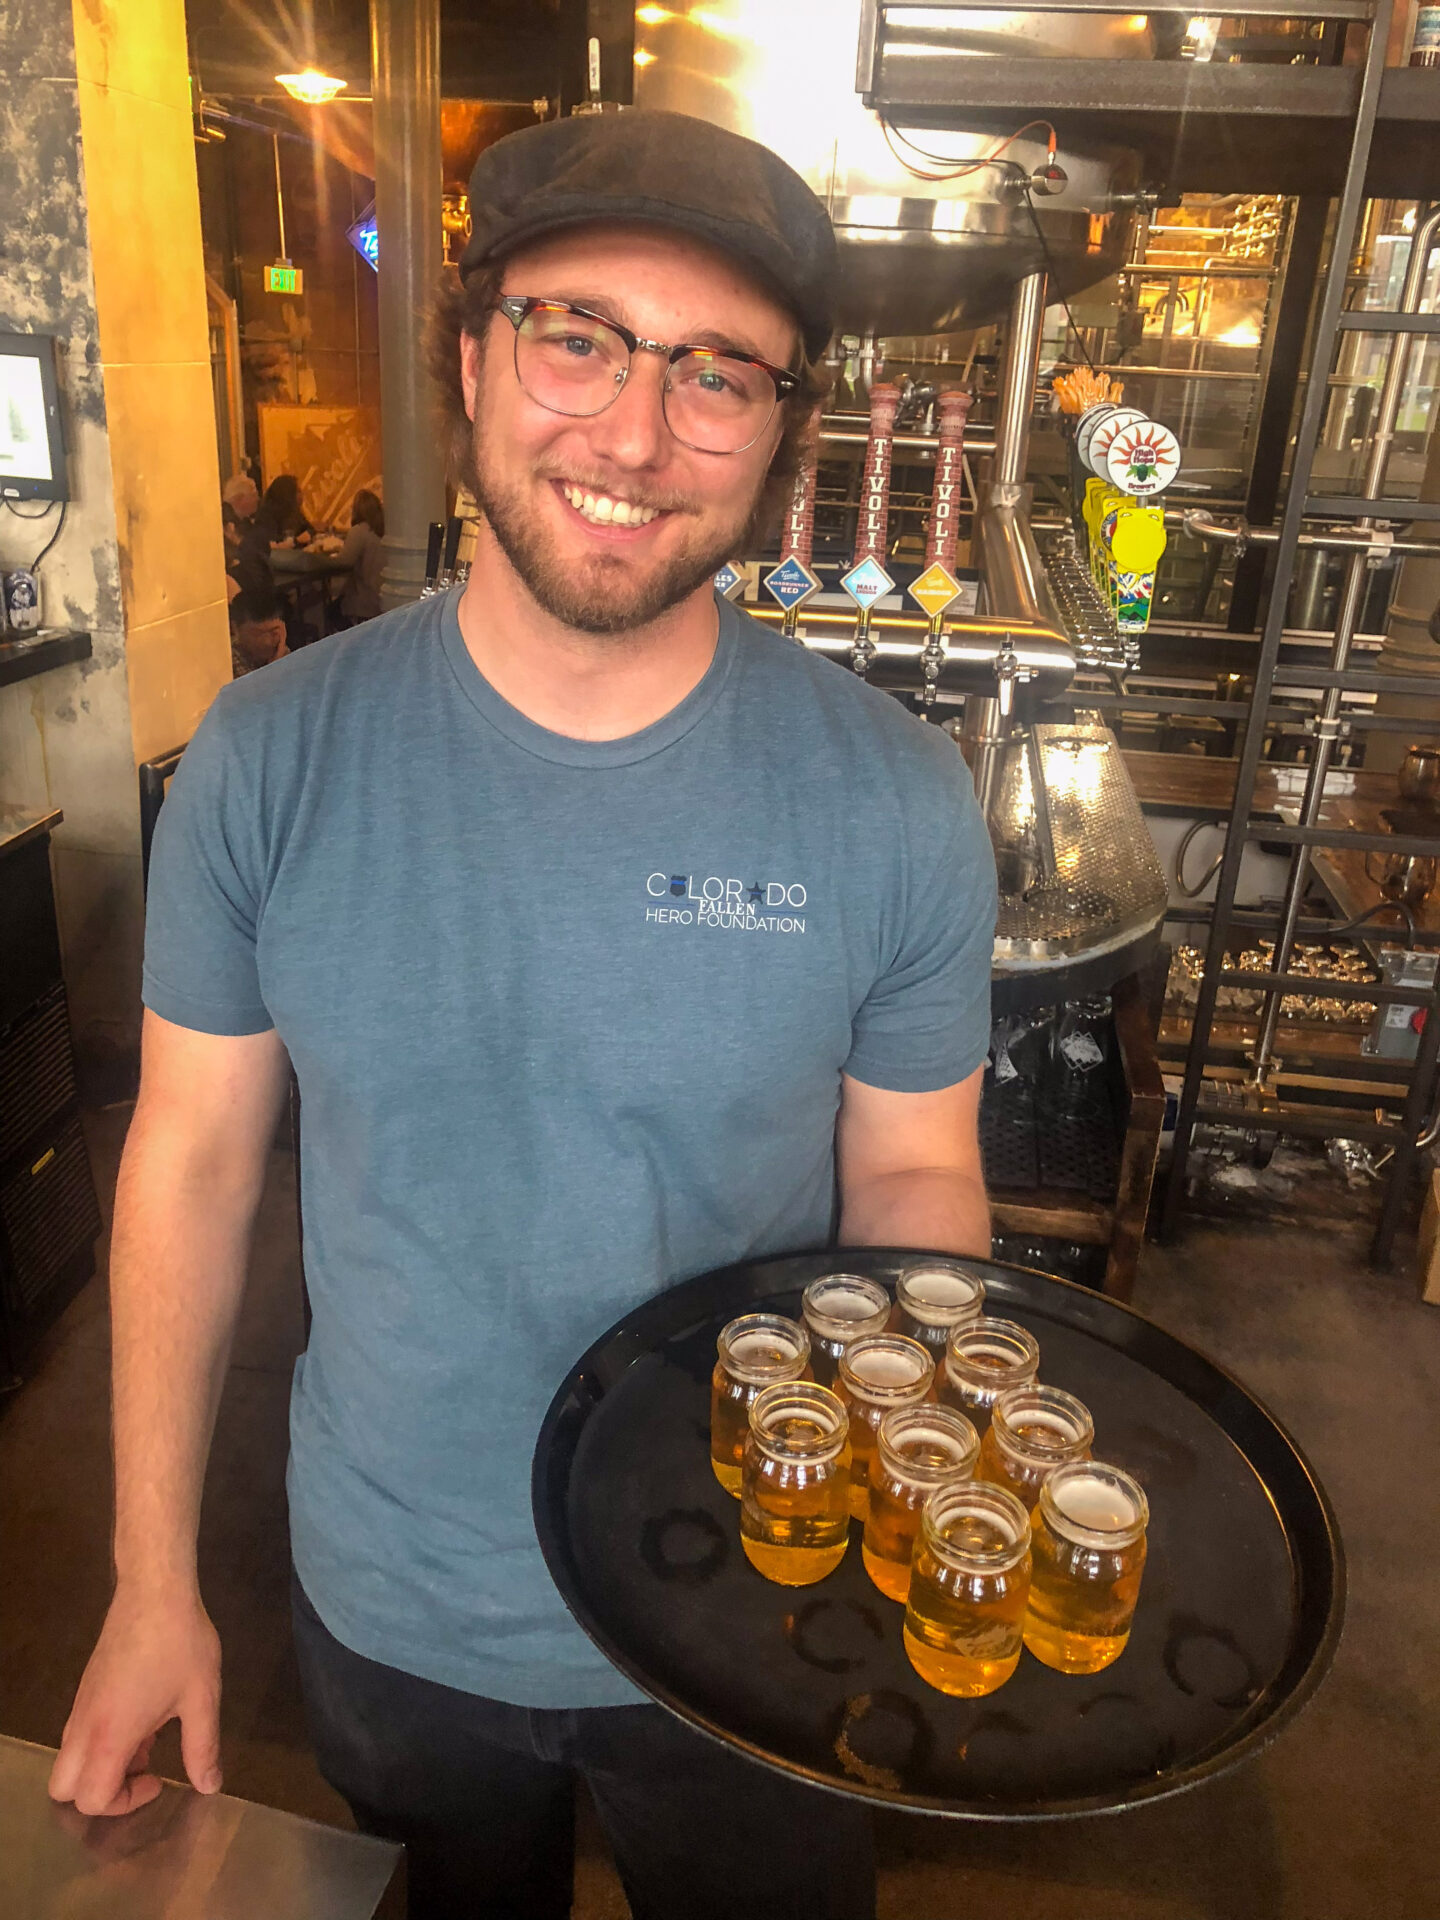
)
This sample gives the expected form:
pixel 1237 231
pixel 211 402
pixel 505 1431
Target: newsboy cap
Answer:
pixel 665 169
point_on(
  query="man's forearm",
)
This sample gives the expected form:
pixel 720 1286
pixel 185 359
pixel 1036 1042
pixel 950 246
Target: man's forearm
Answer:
pixel 177 1274
pixel 921 1207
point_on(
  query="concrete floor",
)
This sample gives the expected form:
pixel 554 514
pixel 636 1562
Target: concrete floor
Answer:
pixel 1331 1823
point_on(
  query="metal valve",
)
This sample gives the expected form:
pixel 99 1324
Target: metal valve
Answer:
pixel 1007 672
pixel 862 653
pixel 932 659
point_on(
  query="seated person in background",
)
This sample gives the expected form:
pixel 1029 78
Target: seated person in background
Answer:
pixel 240 498
pixel 257 630
pixel 365 557
pixel 281 517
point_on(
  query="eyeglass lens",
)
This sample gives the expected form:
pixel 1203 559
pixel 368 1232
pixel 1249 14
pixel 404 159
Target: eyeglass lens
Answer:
pixel 575 365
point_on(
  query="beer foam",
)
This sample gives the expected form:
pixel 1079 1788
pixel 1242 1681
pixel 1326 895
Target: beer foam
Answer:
pixel 931 1447
pixel 880 1367
pixel 941 1288
pixel 1096 1504
pixel 847 1303
pixel 763 1349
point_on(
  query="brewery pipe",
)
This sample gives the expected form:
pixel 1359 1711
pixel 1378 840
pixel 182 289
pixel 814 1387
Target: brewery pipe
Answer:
pixel 1017 380
pixel 852 430
pixel 1196 521
pixel 1016 589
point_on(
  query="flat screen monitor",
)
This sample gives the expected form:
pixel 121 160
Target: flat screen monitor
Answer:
pixel 32 446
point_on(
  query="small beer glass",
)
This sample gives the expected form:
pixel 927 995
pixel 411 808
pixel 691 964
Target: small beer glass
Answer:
pixel 1089 1554
pixel 968 1586
pixel 838 1308
pixel 878 1373
pixel 981 1361
pixel 1032 1431
pixel 795 1483
pixel 753 1352
pixel 916 1450
pixel 933 1299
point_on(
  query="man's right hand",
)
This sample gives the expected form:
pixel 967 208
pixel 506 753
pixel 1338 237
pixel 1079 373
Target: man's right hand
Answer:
pixel 154 1661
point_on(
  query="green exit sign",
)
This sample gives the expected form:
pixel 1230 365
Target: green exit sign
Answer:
pixel 284 278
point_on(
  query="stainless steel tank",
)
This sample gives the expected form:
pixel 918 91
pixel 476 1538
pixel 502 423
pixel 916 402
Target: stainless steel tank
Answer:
pixel 920 256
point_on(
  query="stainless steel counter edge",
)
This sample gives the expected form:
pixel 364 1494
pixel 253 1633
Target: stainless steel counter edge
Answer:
pixel 18 825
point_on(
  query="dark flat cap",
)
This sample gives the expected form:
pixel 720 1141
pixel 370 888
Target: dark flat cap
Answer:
pixel 670 170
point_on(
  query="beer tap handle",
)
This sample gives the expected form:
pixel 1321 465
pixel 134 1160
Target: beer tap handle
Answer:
pixel 867 581
pixel 798 540
pixel 937 589
pixel 952 408
pixel 432 555
pixel 453 529
pixel 872 533
pixel 793 582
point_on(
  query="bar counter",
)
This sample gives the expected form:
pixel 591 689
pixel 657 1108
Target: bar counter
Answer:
pixel 184 1857
pixel 1187 784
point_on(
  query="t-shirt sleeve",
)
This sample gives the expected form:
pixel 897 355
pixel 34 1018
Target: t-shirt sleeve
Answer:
pixel 206 877
pixel 925 1023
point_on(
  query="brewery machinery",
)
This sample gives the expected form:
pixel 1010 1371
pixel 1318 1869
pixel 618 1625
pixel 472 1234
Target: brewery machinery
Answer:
pixel 941 235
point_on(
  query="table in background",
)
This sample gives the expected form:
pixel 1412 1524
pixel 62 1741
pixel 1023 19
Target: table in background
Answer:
pixel 305 582
pixel 187 1856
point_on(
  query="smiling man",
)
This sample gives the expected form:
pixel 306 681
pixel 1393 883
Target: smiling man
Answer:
pixel 612 938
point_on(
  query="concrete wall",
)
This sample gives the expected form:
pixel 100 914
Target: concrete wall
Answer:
pixel 100 220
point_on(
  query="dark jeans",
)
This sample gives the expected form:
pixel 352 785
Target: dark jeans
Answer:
pixel 481 1794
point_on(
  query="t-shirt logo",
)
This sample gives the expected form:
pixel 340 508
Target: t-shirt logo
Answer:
pixel 726 903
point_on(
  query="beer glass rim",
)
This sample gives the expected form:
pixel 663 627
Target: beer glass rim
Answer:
pixel 957 1497
pixel 773 1323
pixel 902 1420
pixel 997 1333
pixel 844 1325
pixel 880 1392
pixel 801 1397
pixel 1035 1398
pixel 936 1313
pixel 1078 1532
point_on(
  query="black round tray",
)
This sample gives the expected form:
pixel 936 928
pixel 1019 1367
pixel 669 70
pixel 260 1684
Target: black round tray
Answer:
pixel 1239 1613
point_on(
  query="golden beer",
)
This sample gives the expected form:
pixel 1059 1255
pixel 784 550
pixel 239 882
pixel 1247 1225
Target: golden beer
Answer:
pixel 878 1374
pixel 982 1359
pixel 1032 1431
pixel 933 1299
pixel 968 1587
pixel 839 1308
pixel 916 1450
pixel 752 1352
pixel 1089 1555
pixel 795 1484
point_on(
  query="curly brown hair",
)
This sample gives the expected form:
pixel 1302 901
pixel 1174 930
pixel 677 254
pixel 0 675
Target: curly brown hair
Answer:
pixel 466 307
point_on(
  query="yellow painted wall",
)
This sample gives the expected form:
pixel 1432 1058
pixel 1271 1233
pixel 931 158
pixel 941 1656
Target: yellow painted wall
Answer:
pixel 132 67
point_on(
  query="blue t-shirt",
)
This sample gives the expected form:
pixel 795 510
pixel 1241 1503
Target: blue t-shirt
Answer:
pixel 569 1019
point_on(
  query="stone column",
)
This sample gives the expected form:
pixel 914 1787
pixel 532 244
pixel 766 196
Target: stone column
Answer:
pixel 100 213
pixel 405 80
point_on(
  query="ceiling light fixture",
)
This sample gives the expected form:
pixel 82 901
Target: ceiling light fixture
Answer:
pixel 312 86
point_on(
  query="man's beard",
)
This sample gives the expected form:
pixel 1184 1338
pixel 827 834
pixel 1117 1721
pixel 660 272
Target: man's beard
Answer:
pixel 600 595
